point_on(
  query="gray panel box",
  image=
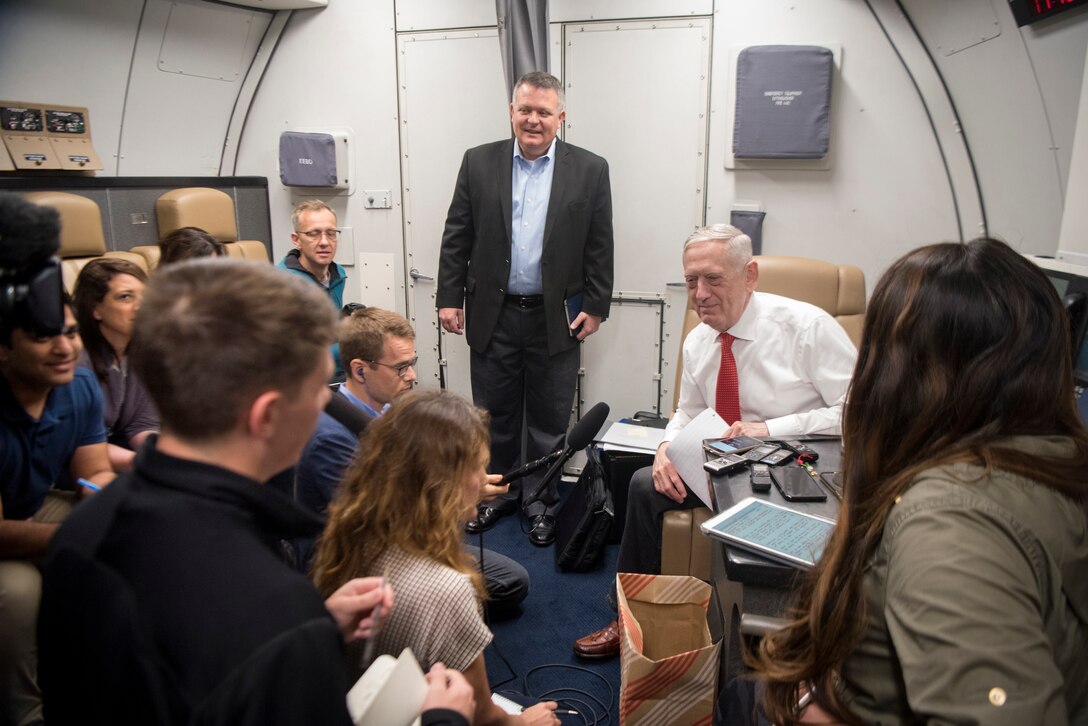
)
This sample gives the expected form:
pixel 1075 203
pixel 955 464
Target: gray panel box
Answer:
pixel 313 159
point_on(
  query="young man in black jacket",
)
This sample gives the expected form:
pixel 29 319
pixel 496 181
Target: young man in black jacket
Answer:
pixel 166 599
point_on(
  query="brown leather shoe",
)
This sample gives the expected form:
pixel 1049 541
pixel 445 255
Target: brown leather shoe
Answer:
pixel 605 643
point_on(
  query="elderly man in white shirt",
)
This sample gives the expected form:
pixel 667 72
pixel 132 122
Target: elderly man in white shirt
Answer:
pixel 771 367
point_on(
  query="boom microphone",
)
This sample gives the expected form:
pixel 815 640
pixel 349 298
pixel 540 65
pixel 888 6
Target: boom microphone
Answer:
pixel 580 436
pixel 530 467
pixel 586 428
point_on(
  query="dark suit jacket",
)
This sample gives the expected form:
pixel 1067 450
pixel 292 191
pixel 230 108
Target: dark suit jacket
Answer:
pixel 577 250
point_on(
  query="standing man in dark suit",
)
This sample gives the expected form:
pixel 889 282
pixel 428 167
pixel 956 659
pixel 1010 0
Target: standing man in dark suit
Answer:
pixel 529 229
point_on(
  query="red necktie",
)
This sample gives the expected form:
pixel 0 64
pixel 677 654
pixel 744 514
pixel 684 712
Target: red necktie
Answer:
pixel 727 402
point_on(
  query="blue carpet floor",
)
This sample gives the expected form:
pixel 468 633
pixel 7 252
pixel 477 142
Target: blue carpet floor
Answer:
pixel 531 649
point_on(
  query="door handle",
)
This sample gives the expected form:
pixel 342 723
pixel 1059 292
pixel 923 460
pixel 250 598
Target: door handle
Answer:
pixel 417 275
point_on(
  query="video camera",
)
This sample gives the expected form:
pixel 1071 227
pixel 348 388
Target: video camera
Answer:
pixel 31 284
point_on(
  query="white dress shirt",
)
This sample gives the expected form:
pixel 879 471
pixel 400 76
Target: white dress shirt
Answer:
pixel 794 362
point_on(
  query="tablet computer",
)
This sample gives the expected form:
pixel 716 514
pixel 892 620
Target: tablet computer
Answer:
pixel 776 532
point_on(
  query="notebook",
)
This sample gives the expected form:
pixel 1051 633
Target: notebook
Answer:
pixel 389 693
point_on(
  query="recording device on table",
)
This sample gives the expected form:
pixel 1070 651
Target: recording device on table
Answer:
pixel 31 284
pixel 731 445
pixel 797 485
pixel 761 478
pixel 725 464
pixel 800 450
pixel 739 451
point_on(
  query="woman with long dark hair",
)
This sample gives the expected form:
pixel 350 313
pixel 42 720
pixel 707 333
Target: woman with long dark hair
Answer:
pixel 954 588
pixel 399 513
pixel 107 297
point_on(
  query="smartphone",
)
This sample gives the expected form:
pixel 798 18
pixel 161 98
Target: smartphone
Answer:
pixel 796 485
pixel 761 478
pixel 758 453
pixel 724 464
pixel 778 457
pixel 833 481
pixel 734 445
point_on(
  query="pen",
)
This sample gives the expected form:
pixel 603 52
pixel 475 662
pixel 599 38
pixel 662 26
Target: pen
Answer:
pixel 561 712
pixel 88 485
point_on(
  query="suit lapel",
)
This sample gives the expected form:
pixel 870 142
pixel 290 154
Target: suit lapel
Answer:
pixel 505 186
pixel 560 176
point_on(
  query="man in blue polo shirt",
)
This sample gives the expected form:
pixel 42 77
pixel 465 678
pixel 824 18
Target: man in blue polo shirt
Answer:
pixel 51 435
pixel 378 354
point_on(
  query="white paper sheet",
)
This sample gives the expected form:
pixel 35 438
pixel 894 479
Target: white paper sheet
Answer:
pixel 686 452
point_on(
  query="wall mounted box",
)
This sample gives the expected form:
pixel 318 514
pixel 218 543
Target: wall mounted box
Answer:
pixel 314 159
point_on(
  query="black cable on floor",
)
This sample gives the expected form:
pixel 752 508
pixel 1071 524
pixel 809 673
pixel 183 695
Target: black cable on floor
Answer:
pixel 605 717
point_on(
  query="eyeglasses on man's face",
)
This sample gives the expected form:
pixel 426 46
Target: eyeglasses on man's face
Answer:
pixel 400 368
pixel 315 234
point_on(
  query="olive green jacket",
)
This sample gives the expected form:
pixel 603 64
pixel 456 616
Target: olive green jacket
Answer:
pixel 978 604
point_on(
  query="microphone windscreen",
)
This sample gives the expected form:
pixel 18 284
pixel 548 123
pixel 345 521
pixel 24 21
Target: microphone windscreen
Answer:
pixel 587 427
pixel 29 234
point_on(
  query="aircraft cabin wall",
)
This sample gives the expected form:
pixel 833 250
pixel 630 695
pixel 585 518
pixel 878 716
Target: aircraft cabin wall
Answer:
pixel 192 88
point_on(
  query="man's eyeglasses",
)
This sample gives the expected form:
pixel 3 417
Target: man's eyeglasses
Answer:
pixel 315 234
pixel 400 368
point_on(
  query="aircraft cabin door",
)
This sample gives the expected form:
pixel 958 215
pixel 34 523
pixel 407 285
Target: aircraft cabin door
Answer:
pixel 638 95
pixel 457 100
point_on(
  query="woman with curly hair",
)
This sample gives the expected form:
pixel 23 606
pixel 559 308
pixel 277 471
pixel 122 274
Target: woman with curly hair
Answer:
pixel 399 513
pixel 954 588
pixel 107 296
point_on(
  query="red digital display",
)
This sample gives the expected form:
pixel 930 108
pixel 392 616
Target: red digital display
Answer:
pixel 1029 11
pixel 1042 7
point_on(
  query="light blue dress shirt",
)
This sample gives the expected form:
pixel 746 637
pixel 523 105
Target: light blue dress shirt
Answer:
pixel 360 403
pixel 531 182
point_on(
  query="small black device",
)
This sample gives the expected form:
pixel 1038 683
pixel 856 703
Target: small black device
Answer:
pixel 800 449
pixel 724 464
pixel 796 485
pixel 734 445
pixel 758 453
pixel 780 456
pixel 833 481
pixel 761 478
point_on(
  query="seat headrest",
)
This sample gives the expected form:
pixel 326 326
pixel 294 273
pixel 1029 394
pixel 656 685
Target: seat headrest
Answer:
pixel 80 222
pixel 209 209
pixel 801 278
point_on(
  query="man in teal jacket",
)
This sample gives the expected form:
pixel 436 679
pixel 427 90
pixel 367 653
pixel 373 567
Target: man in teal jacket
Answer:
pixel 315 239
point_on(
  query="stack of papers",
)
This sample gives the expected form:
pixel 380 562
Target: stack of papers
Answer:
pixel 631 437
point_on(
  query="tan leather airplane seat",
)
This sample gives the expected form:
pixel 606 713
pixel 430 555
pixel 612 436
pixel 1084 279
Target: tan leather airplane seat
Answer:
pixel 81 236
pixel 211 210
pixel 247 249
pixel 150 253
pixel 837 289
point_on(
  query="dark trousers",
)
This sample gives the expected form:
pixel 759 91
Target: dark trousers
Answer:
pixel 507 582
pixel 520 384
pixel 640 548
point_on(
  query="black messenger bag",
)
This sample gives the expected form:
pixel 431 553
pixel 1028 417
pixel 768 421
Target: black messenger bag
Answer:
pixel 585 518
